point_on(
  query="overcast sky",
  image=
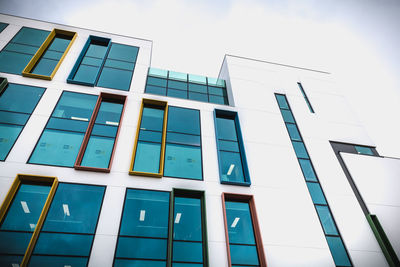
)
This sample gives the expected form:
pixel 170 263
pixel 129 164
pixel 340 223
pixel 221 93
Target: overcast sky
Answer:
pixel 356 40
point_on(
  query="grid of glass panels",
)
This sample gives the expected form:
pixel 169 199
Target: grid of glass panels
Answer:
pixel 20 221
pixel 335 242
pixel 187 86
pixel 20 50
pixel 118 67
pixel 187 239
pixel 148 149
pixel 3 26
pixel 183 144
pixel 61 139
pixel 102 138
pixel 306 98
pixel 242 242
pixel 230 149
pixel 17 103
pixel 67 234
pixel 143 234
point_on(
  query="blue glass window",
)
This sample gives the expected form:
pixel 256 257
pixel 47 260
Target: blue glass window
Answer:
pixel 183 157
pixel 61 139
pixel 305 97
pixel 364 150
pixel 3 26
pixel 20 221
pixel 143 235
pixel 20 50
pixel 17 103
pixel 70 225
pixel 231 156
pixel 186 86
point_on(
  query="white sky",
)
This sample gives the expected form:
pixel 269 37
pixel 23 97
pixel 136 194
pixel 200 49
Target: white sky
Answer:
pixel 357 40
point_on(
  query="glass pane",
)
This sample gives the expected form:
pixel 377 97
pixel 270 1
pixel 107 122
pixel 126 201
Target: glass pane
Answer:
pixel 244 254
pixel 20 98
pixel 147 157
pixel 177 93
pixel 60 43
pixel 300 149
pixel 293 132
pixel 282 101
pixel 96 50
pixel 216 91
pixel 145 213
pixel 30 36
pixel 316 193
pixel 326 220
pixel 74 209
pixel 240 226
pixel 14 242
pixel 11 261
pixel 364 150
pixel 67 125
pixel 216 82
pixel 338 251
pixel 8 136
pixel 287 116
pixel 95 62
pixel 13 118
pixel 150 136
pixel 150 89
pixel 50 261
pixel 115 79
pixel 177 76
pixel 186 139
pixel 183 161
pixel 123 52
pixel 198 96
pixel 44 66
pixel 142 248
pixel 119 64
pixel 75 106
pixel 308 170
pixel 231 167
pixel 218 99
pixel 229 146
pixel 105 130
pixel 63 244
pixel 57 148
pixel 109 113
pixel 157 81
pixel 177 85
pixel 98 152
pixel 226 129
pixel 138 263
pixel 152 119
pixel 14 63
pixel 187 251
pixel 183 120
pixel 198 88
pixel 158 72
pixel 20 48
pixel 197 79
pixel 187 219
pixel 86 74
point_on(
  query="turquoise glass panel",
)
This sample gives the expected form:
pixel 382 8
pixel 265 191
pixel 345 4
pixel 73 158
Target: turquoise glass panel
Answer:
pixel 30 36
pixel 158 72
pixel 177 93
pixel 138 263
pixel 119 64
pixel 152 119
pixel 105 130
pixel 187 219
pixel 282 101
pixel 8 136
pixel 144 248
pixel 20 48
pixel 293 132
pixel 198 96
pixel 14 242
pixel 218 100
pixel 13 118
pixel 244 255
pixel 145 214
pixel 75 105
pixel 95 62
pixel 58 148
pixel 184 139
pixel 150 136
pixel 86 73
pixel 115 79
pixel 157 81
pixel 198 88
pixel 216 91
pixel 67 125
pixel 226 129
pixel 187 251
pixel 177 85
pixel 109 113
pixel 231 167
pixel 63 244
pixel 338 251
pixel 177 76
pixel 123 52
pixel 300 149
pixel 150 89
pixel 44 66
pixel 183 120
pixel 11 62
pixel 98 152
pixel 228 146
pixel 308 170
pixel 216 82
pixel 197 79
pixel 364 150
pixel 6 260
pixel 147 157
pixel 326 220
pixel 316 193
pixel 50 261
pixel 287 116
pixel 183 161
pixel 96 50
pixel 20 98
pixel 239 223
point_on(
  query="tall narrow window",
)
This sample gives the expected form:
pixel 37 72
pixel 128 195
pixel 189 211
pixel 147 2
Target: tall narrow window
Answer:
pixel 99 143
pixel 19 51
pixel 20 216
pixel 87 68
pixel 45 63
pixel 61 139
pixel 17 103
pixel 231 156
pixel 148 153
pixel 243 238
pixel 305 97
pixel 183 146
pixel 143 234
pixel 188 234
pixel 332 234
pixel 68 231
pixel 3 26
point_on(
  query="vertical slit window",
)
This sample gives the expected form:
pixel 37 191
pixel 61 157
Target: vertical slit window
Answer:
pixel 87 68
pixel 68 231
pixel 243 237
pixel 17 103
pixel 20 216
pixel 332 234
pixel 19 51
pixel 61 139
pixel 188 234
pixel 143 233
pixel 183 157
pixel 98 146
pixel 148 153
pixel 231 156
pixel 305 97
pixel 45 63
pixel 3 26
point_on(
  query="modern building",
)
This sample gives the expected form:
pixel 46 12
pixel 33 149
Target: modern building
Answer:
pixel 108 161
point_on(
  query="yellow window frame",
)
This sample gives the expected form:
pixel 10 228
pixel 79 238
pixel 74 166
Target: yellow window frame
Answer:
pixel 164 105
pixel 10 196
pixel 27 70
